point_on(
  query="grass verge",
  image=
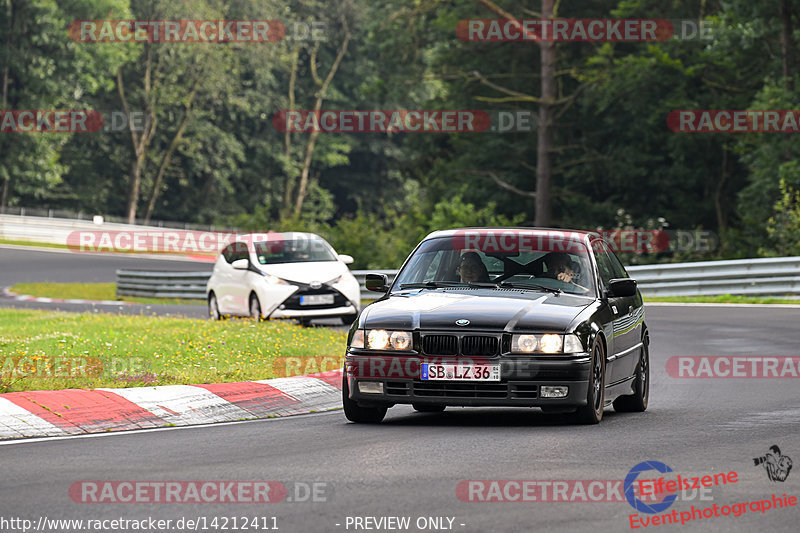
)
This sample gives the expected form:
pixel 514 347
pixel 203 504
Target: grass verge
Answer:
pixel 90 291
pixel 33 243
pixel 42 350
pixel 722 299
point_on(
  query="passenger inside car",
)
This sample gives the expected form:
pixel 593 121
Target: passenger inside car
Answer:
pixel 471 269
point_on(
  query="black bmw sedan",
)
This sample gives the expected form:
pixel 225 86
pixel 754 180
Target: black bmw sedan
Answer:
pixel 521 317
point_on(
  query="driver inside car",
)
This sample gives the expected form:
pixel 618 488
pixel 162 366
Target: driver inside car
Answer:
pixel 560 266
pixel 471 269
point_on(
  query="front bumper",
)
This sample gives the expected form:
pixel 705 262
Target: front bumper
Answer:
pixel 521 379
pixel 315 313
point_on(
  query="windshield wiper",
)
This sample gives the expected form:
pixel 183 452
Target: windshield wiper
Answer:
pixel 438 284
pixel 431 285
pixel 530 286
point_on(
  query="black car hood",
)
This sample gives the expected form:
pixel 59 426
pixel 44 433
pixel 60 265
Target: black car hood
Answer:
pixel 486 309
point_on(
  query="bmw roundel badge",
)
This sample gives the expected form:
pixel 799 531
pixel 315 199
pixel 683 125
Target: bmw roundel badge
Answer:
pixel 462 322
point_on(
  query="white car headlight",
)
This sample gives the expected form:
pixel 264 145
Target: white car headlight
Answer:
pixel 274 280
pixel 381 339
pixel 572 344
pixel 551 343
pixel 524 343
pixel 545 343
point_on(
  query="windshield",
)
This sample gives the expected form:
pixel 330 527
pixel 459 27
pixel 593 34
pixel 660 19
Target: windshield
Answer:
pixel 293 251
pixel 445 262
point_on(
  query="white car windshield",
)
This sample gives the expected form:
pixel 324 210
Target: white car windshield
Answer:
pixel 293 251
pixel 442 262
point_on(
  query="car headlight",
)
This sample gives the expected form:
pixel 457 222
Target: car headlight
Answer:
pixel 274 280
pixel 546 343
pixel 358 339
pixel 381 339
pixel 524 343
pixel 573 344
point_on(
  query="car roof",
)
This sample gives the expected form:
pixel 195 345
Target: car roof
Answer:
pixel 518 229
pixel 272 234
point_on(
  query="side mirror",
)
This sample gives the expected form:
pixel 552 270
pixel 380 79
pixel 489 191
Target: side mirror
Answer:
pixel 622 287
pixel 377 282
pixel 241 264
pixel 346 259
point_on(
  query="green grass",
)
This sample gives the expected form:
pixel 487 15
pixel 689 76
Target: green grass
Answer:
pixel 90 291
pixel 41 350
pixel 722 299
pixel 32 243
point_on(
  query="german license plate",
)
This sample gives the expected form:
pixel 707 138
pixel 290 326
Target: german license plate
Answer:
pixel 316 299
pixel 459 372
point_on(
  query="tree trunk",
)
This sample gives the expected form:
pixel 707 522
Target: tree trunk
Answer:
pixel 133 189
pixel 10 15
pixel 173 145
pixel 787 43
pixel 544 167
pixel 141 140
pixel 303 185
pixel 301 190
pixel 287 140
pixel 722 224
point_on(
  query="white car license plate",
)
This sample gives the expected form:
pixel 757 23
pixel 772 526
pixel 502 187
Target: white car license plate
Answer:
pixel 459 372
pixel 316 299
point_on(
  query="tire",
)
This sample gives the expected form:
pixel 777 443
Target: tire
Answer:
pixel 427 408
pixel 637 402
pixel 255 308
pixel 213 308
pixel 360 415
pixel 592 412
pixel 305 322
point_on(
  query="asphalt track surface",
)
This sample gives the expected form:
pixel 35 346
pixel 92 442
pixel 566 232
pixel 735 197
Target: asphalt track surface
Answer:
pixel 412 463
pixel 21 265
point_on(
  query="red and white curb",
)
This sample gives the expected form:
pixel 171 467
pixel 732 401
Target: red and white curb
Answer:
pixel 80 411
pixel 25 298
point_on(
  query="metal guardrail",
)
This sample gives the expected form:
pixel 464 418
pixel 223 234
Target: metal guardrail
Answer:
pixel 188 285
pixel 752 277
pixel 192 285
pixel 778 276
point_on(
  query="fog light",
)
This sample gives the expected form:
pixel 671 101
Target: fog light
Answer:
pixel 370 387
pixel 557 391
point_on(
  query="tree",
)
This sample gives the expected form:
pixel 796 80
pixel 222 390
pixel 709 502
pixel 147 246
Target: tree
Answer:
pixel 41 68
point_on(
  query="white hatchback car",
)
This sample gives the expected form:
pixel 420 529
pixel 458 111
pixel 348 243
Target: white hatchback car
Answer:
pixel 283 275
